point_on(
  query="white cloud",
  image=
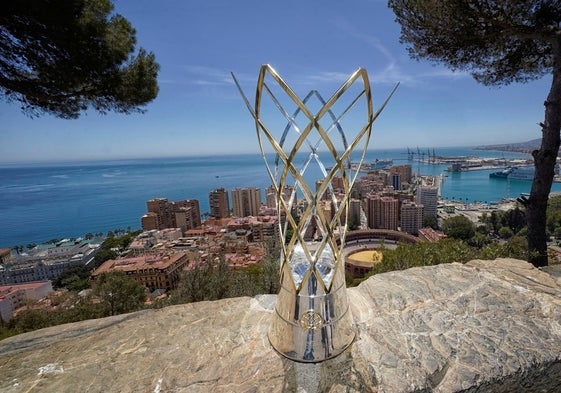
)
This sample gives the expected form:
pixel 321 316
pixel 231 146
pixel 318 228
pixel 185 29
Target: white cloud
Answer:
pixel 394 72
pixel 205 76
pixel 326 77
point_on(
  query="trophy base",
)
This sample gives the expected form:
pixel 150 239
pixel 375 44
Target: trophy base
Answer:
pixel 302 354
pixel 312 327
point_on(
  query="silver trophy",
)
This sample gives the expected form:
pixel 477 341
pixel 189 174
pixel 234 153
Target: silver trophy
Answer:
pixel 312 320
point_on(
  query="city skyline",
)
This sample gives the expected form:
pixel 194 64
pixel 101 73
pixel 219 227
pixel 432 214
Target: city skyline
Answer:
pixel 313 45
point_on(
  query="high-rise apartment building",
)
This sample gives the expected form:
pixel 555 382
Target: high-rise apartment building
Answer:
pixel 219 203
pixel 382 212
pixel 428 197
pixel 286 194
pixel 159 206
pixel 336 186
pixel 395 181
pixel 149 221
pixel 405 171
pixel 187 214
pixel 355 213
pixel 184 214
pixel 411 219
pixel 327 209
pixel 246 201
pixel 373 210
pixel 337 183
pixel 390 213
pixel 270 197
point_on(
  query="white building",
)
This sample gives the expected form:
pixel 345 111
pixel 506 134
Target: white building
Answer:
pixel 13 297
pixel 428 197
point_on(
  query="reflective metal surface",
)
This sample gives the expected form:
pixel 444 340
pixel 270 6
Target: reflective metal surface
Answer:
pixel 312 320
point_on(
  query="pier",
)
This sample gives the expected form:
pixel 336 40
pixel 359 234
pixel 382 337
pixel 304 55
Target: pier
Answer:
pixel 464 163
pixel 480 164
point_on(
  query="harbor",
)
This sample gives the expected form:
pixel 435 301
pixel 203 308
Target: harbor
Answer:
pixel 464 163
pixel 505 168
pixel 480 164
pixel 521 169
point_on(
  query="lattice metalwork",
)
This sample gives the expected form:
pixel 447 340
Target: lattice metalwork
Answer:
pixel 312 321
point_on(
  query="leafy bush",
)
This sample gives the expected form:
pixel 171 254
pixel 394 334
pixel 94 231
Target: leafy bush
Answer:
pixel 458 227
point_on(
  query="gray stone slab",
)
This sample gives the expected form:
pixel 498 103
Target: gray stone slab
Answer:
pixel 486 326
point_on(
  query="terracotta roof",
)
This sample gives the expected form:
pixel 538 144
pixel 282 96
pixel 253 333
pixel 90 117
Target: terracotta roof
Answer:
pixel 147 261
pixel 7 289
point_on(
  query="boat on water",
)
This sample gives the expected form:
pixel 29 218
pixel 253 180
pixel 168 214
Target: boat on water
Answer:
pixel 515 173
pixel 380 164
pixel 372 166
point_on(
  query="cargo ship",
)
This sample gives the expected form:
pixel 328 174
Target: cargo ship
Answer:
pixel 524 173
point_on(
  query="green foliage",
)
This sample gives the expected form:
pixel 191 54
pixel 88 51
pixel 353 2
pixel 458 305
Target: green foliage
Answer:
pixel 448 250
pixel 30 319
pixel 110 244
pixel 6 332
pixel 506 233
pixel 505 224
pixel 74 278
pixel 499 41
pixel 553 220
pixel 514 219
pixel 203 282
pixel 213 281
pixel 458 227
pixel 64 57
pixel 515 247
pixel 119 293
pixel 479 240
pixel 408 255
pixel 104 254
pixel 494 221
pixel 69 308
pixel 482 229
pixel 354 222
pixel 270 269
pixel 430 222
pixel 289 233
pixel 554 204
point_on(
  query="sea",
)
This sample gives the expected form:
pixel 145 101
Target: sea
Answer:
pixel 40 202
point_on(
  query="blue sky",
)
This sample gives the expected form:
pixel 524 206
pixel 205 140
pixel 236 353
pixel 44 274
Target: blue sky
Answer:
pixel 313 45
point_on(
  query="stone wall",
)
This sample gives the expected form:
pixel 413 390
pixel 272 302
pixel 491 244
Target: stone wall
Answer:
pixel 486 326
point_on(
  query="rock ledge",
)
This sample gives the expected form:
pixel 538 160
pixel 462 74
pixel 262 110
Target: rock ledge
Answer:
pixel 485 326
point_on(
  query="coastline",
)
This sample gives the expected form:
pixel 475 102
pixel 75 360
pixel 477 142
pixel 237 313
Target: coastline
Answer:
pixel 39 203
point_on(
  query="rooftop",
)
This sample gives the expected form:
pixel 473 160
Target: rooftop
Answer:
pixel 146 261
pixel 6 290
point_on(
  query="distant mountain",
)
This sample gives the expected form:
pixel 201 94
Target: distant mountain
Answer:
pixel 522 147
